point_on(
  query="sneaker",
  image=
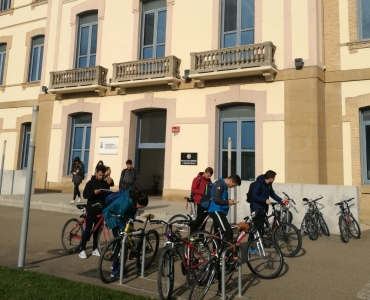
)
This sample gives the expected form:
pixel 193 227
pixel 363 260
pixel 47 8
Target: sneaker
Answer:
pixel 96 252
pixel 116 267
pixel 72 201
pixel 82 254
pixel 78 199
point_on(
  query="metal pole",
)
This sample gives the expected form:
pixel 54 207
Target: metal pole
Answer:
pixel 27 194
pixel 2 165
pixel 223 293
pixel 143 257
pixel 229 170
pixel 239 270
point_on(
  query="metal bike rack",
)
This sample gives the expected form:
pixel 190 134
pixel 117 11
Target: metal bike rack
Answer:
pixel 239 251
pixel 125 236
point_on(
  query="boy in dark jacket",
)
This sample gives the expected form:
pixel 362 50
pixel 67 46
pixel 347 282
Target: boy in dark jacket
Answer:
pixel 129 177
pixel 95 203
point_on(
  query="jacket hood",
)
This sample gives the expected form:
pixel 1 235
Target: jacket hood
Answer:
pixel 200 174
pixel 261 179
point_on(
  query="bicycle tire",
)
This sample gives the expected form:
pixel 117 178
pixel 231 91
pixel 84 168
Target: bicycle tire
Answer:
pixel 166 274
pixel 176 226
pixel 199 255
pixel 72 235
pixel 104 238
pixel 267 263
pixel 151 247
pixel 324 226
pixel 312 230
pixel 354 228
pixel 288 238
pixel 344 235
pixel 203 281
pixel 108 257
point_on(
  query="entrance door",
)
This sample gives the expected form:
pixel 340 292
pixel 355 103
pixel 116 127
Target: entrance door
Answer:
pixel 150 150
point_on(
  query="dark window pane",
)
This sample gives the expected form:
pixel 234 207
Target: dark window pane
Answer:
pixel 365 16
pixel 90 18
pixel 84 43
pixel 85 159
pixel 34 64
pixel 148 52
pixel 38 40
pixel 153 127
pixel 160 51
pixel 26 144
pixel 366 115
pixel 247 37
pixel 230 15
pixel 247 166
pixel 248 139
pixel 229 130
pixel 148 29
pixel 76 154
pixel 2 47
pixel 153 4
pixel 247 14
pixel 82 62
pixel 245 111
pixel 2 63
pixel 230 40
pixel 40 62
pixel 161 27
pixel 94 37
pixel 83 119
pixel 87 138
pixel 77 141
pixel 225 162
pixel 367 154
pixel 92 61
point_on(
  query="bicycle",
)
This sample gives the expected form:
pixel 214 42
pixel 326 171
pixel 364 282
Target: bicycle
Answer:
pixel 196 255
pixel 286 214
pixel 73 229
pixel 348 225
pixel 110 259
pixel 313 222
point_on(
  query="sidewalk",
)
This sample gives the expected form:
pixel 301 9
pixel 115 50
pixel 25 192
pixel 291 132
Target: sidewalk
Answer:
pixel 59 202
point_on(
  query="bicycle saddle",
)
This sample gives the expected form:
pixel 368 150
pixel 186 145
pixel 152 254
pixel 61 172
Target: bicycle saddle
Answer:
pixel 149 216
pixel 81 206
pixel 243 226
pixel 305 199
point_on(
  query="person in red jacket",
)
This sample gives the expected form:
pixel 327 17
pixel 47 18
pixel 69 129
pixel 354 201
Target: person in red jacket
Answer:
pixel 197 189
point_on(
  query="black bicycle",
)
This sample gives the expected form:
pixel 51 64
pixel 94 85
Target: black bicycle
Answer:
pixel 348 225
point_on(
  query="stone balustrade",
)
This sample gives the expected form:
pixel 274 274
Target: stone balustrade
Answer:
pixel 95 76
pixel 247 56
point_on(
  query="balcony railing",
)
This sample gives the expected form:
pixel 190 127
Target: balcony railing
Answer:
pixel 147 72
pixel 78 80
pixel 235 58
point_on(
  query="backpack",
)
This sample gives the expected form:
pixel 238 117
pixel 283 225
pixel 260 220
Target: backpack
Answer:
pixel 207 196
pixel 112 196
pixel 250 192
pixel 83 166
pixel 191 194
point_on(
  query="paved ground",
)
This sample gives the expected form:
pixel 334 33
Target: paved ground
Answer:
pixel 324 269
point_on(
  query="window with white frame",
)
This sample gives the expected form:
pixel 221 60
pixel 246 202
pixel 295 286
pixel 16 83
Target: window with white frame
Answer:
pixel 237 23
pixel 4 4
pixel 2 61
pixel 37 52
pixel 363 15
pixel 25 145
pixel 87 40
pixel 153 33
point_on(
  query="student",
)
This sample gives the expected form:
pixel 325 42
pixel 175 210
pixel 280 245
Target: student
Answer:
pixel 107 177
pixel 129 177
pixel 78 174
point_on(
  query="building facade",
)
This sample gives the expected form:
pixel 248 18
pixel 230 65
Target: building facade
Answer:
pixel 168 82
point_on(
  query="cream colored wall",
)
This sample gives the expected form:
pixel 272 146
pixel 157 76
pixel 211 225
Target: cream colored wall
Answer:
pixel 55 152
pixel 347 154
pixel 343 21
pixel 352 61
pixel 353 89
pixel 114 161
pixel 191 138
pixel 11 139
pixel 300 40
pixel 274 148
pixel 58 110
pixel 10 116
pixel 23 15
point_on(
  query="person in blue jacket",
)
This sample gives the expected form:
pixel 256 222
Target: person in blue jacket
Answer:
pixel 219 206
pixel 262 191
pixel 125 205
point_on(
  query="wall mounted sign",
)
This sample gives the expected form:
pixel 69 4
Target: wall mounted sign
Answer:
pixel 189 158
pixel 108 145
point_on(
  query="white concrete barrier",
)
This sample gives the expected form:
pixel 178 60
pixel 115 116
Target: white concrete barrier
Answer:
pixel 14 182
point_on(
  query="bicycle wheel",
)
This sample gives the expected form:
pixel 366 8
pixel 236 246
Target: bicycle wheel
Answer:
pixel 230 265
pixel 104 236
pixel 313 232
pixel 199 255
pixel 72 235
pixel 151 247
pixel 265 263
pixel 344 235
pixel 324 226
pixel 288 238
pixel 110 260
pixel 176 226
pixel 166 275
pixel 354 229
pixel 205 278
pixel 290 217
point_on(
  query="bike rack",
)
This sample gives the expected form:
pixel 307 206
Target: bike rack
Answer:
pixel 239 251
pixel 125 236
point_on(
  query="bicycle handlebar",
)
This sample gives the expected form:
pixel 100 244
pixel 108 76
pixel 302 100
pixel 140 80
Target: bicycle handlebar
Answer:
pixel 341 202
pixel 125 218
pixel 290 199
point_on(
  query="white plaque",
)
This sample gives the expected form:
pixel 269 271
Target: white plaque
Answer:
pixel 108 145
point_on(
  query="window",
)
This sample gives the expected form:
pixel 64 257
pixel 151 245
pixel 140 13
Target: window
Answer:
pixel 237 26
pixel 4 4
pixel 153 36
pixel 25 145
pixel 37 51
pixel 87 40
pixel 2 61
pixel 238 123
pixel 363 11
pixel 80 140
pixel 365 145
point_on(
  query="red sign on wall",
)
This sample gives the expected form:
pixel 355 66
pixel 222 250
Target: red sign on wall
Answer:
pixel 175 128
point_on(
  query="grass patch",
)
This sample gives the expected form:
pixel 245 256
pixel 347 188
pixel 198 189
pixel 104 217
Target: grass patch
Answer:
pixel 24 284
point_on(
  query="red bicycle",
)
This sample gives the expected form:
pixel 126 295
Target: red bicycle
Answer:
pixel 73 229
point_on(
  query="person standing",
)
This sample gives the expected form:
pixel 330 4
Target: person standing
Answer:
pixel 100 163
pixel 107 177
pixel 197 188
pixel 95 203
pixel 129 177
pixel 78 174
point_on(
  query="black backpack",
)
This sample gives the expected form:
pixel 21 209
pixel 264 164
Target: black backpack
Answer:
pixel 207 196
pixel 250 192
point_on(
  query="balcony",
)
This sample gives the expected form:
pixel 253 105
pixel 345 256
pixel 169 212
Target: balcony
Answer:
pixel 78 81
pixel 155 71
pixel 248 60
